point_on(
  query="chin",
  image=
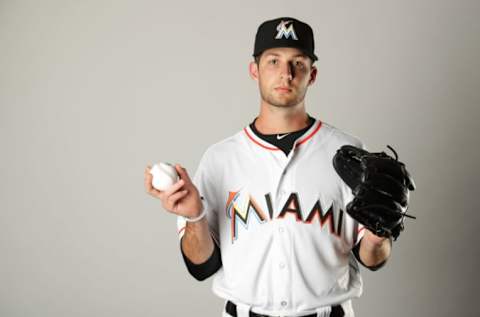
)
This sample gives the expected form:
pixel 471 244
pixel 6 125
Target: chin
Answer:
pixel 284 104
pixel 282 101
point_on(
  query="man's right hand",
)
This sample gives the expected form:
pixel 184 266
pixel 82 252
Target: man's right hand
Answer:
pixel 182 198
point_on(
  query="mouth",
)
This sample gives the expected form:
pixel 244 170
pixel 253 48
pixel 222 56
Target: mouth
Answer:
pixel 283 89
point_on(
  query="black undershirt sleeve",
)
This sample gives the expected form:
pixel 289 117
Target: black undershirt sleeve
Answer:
pixel 356 252
pixel 204 270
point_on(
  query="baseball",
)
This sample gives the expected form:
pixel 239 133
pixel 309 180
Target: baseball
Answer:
pixel 164 175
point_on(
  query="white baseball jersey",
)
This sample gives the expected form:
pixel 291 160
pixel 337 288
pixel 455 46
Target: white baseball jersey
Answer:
pixel 284 237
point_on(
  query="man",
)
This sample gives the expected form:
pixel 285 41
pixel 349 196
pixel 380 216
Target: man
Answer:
pixel 265 211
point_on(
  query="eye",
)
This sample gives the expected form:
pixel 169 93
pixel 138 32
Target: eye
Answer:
pixel 299 64
pixel 273 61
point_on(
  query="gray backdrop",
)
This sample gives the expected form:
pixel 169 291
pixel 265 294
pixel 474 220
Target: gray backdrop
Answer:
pixel 93 91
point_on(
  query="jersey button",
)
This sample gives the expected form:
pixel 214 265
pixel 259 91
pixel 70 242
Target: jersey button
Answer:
pixel 282 265
pixel 281 230
pixel 283 303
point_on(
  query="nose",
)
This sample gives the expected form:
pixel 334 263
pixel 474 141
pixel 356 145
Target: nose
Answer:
pixel 287 71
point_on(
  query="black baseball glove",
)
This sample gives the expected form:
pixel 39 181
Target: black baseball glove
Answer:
pixel 381 186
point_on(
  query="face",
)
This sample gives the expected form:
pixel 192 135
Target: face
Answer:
pixel 283 76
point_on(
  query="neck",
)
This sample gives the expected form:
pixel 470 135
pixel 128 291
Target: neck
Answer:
pixel 273 120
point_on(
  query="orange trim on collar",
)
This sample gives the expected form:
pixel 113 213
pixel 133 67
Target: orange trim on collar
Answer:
pixel 311 134
pixel 258 143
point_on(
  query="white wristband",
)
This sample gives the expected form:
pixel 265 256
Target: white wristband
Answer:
pixel 203 214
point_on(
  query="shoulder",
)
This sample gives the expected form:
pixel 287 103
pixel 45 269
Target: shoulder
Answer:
pixel 226 145
pixel 223 148
pixel 338 137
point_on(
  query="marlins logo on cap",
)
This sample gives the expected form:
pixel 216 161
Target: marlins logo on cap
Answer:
pixel 284 32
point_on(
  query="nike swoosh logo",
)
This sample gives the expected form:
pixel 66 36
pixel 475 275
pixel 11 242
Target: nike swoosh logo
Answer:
pixel 279 137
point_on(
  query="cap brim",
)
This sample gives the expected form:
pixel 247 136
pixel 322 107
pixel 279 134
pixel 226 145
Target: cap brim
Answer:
pixel 311 55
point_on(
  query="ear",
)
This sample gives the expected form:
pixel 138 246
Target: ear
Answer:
pixel 313 75
pixel 253 70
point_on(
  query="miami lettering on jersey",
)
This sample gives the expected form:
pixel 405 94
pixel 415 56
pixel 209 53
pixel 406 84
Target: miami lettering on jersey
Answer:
pixel 240 206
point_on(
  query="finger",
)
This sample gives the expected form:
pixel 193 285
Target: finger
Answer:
pixel 148 168
pixel 182 172
pixel 147 180
pixel 174 188
pixel 155 193
pixel 147 174
pixel 149 187
pixel 173 199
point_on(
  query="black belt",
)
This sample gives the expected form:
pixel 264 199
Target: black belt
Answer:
pixel 231 309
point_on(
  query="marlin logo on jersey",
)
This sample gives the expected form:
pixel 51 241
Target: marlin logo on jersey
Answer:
pixel 240 206
pixel 284 31
pixel 239 213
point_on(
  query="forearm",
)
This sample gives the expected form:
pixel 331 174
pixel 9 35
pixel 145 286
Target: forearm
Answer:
pixel 197 243
pixel 374 250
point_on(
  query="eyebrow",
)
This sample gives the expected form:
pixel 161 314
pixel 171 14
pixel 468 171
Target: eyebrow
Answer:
pixel 298 55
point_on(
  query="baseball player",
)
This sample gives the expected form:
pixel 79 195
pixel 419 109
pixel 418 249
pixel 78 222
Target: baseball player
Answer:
pixel 265 211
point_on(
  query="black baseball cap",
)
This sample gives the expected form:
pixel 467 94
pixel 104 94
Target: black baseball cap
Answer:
pixel 285 32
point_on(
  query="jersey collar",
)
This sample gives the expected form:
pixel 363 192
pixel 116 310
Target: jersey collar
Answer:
pixel 252 137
